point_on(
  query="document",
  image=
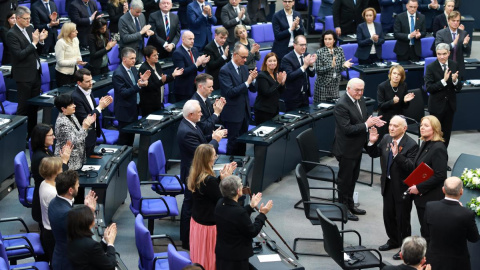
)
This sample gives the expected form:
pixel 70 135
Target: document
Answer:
pixel 269 258
pixel 86 168
pixel 155 117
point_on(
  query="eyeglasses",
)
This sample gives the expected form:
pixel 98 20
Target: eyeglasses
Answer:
pixel 243 57
pixel 50 135
pixel 26 19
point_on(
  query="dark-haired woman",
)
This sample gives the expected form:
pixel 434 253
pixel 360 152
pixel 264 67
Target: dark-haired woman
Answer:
pixel 42 139
pixel 99 45
pixel 9 23
pixel 270 84
pixel 116 9
pixel 84 252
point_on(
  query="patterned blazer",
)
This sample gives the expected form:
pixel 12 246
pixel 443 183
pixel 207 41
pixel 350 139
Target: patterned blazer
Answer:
pixel 325 82
pixel 65 130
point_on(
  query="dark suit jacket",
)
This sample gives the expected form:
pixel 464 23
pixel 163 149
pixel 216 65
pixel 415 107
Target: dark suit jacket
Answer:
pixel 365 43
pixel 326 9
pixel 235 230
pixel 235 91
pixel 399 171
pixel 441 96
pixel 86 253
pixel 125 101
pixel 401 30
pixel 78 13
pixel 296 78
pixel 347 15
pixel 158 26
pixel 115 13
pixel 386 107
pixel 24 55
pixel 430 14
pixel 229 19
pixel 150 6
pixel 350 129
pixel 97 51
pixel 269 91
pixel 445 36
pixel 399 267
pixel 189 138
pixel 57 214
pixel 185 83
pixel 41 19
pixel 209 119
pixel 440 22
pixel 7 56
pixel 218 13
pixel 388 8
pixel 281 32
pixel 151 95
pixel 200 25
pixel 216 61
pixel 129 35
pixel 449 227
pixel 82 110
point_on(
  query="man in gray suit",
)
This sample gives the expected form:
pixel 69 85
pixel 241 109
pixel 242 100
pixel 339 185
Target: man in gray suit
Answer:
pixel 457 38
pixel 258 10
pixel 232 15
pixel 132 29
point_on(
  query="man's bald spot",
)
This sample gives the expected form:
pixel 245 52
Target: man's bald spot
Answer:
pixel 452 186
pixel 187 34
pixel 399 120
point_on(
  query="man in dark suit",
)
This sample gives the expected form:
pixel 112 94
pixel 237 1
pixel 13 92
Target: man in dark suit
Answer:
pixel 187 57
pixel 413 255
pixel 232 15
pixel 351 130
pixel 182 13
pixel 235 82
pixel 200 20
pixel 299 66
pixel 67 185
pixel 82 13
pixel 396 210
pixel 189 137
pixel 126 84
pixel 442 82
pixel 430 9
pixel 390 9
pixel 258 10
pixel 85 105
pixel 219 54
pixel 449 226
pixel 409 28
pixel 132 29
pixel 287 24
pixel 42 19
pixel 458 40
pixel 25 45
pixel 166 26
pixel 150 6
pixel 210 110
pixel 347 15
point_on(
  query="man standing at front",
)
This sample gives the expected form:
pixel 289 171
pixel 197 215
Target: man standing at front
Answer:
pixel 235 82
pixel 351 134
pixel 395 150
pixel 25 45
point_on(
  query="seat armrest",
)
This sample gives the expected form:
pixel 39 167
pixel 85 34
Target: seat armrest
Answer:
pixel 158 258
pixel 341 207
pixel 15 219
pixel 166 236
pixel 30 249
pixel 353 231
pixel 19 237
pixel 325 151
pixel 148 182
pixel 155 198
pixel 171 175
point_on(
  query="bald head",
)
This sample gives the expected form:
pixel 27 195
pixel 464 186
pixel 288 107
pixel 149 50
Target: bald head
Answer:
pixel 397 127
pixel 453 187
pixel 187 39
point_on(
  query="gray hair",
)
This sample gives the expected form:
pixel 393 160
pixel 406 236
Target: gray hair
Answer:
pixel 355 81
pixel 453 186
pixel 237 48
pixel 230 185
pixel 136 4
pixel 402 120
pixel 190 107
pixel 442 46
pixel 413 250
pixel 127 51
pixel 21 10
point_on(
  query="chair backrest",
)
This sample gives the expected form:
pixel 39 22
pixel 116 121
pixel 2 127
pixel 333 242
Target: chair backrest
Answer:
pixel 329 23
pixel 3 264
pixel 213 27
pixel 312 84
pixel 133 183
pixel 314 8
pixel 99 7
pixel 3 90
pixel 307 143
pixel 144 245
pixel 416 108
pixel 156 160
pixel 166 91
pixel 3 254
pixel 378 18
pixel 349 50
pixel 251 97
pixel 268 32
pixel 257 33
pixel 45 77
pixel 387 50
pixel 175 260
pixel 61 7
pixel 111 106
pixel 1 51
pixel 180 40
pixel 332 241
pixel 427 46
pixel 263 53
pixel 303 186
pixel 113 57
pixel 22 176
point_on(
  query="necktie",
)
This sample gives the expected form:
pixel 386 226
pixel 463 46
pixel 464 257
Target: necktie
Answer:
pixel 301 60
pixel 130 73
pixel 306 82
pixel 88 9
pixel 137 24
pixel 207 104
pixel 29 40
pixel 220 49
pixel 167 27
pixel 412 28
pixel 358 107
pixel 201 7
pixel 453 36
pixel 191 56
pixel 389 162
pixel 444 67
pixel 454 48
pixel 48 8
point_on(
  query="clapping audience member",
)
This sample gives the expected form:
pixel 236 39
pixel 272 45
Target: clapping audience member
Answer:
pixel 287 24
pixel 200 20
pixel 99 44
pixel 441 20
pixel 45 16
pixel 203 183
pixel 252 47
pixel 9 23
pixel 390 9
pixel 270 85
pixel 166 26
pixel 235 230
pixel 67 52
pixel 152 95
pixel 370 38
pixel 413 255
pixel 84 252
pixel 430 9
pixel 116 9
pixel 234 15
pixel 408 29
pixel 82 13
pixel 219 52
pixel 347 15
pixel 328 65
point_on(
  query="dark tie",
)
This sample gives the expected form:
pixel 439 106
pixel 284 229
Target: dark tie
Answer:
pixel 137 24
pixel 306 83
pixel 389 162
pixel 444 67
pixel 132 78
pixel 207 104
pixel 357 104
pixel 191 56
pixel 455 48
pixel 412 28
pixel 167 26
pixel 48 8
pixel 88 9
pixel 220 49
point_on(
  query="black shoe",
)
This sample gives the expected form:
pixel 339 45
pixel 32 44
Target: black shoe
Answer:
pixel 352 217
pixel 397 256
pixel 387 246
pixel 449 169
pixel 357 211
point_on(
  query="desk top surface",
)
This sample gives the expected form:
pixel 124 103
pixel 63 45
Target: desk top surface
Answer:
pixel 15 121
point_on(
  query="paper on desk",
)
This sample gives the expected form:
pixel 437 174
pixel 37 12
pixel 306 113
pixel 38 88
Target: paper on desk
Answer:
pixel 90 168
pixel 155 117
pixel 110 150
pixel 46 96
pixel 346 257
pixel 269 258
pixel 324 105
pixel 474 82
pixel 393 63
pixel 262 131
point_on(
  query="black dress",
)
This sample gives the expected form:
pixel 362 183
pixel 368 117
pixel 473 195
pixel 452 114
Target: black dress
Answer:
pixel 6 52
pixel 151 95
pixel 115 13
pixel 386 107
pixel 97 53
pixel 266 103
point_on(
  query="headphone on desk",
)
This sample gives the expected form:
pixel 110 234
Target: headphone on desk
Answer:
pixel 105 151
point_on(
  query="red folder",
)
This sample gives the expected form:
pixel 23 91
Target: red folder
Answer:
pixel 419 175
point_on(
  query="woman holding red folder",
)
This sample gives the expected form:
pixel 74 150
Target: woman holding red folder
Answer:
pixel 434 153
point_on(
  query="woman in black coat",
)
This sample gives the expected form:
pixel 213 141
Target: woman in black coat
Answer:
pixel 151 96
pixel 392 96
pixel 99 45
pixel 270 84
pixel 116 8
pixel 9 23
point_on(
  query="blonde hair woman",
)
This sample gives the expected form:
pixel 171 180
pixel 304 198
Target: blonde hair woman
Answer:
pixel 67 52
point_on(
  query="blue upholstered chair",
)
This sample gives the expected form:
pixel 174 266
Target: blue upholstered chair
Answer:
pixel 45 78
pixel 165 184
pixel 349 50
pixel 113 58
pixel 387 50
pixel 22 245
pixel 177 260
pixel 22 180
pixel 4 264
pixel 6 107
pixel 315 26
pixel 427 47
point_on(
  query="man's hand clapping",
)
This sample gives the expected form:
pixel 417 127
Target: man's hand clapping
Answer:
pixel 219 104
pixel 219 133
pixel 373 135
pixel 252 76
pixel 375 121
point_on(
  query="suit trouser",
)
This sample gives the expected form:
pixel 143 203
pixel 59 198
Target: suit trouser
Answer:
pixel 185 216
pixel 396 215
pixel 125 138
pixel 26 91
pixel 446 120
pixel 410 55
pixel 234 131
pixel 295 104
pixel 348 171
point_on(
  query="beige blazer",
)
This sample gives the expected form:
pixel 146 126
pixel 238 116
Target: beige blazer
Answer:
pixel 67 55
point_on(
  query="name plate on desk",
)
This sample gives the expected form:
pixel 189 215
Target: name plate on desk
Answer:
pixel 263 131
